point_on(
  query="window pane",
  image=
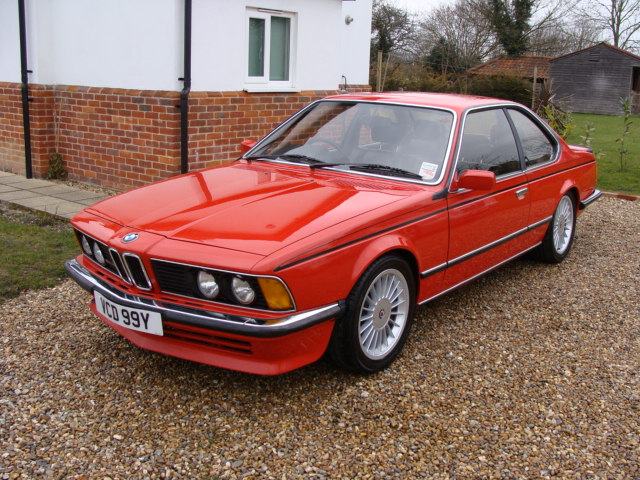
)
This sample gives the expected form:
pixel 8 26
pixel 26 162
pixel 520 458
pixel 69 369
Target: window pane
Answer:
pixel 256 47
pixel 279 61
pixel 537 148
pixel 488 144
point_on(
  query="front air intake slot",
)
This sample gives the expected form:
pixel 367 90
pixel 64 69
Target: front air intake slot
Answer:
pixel 136 271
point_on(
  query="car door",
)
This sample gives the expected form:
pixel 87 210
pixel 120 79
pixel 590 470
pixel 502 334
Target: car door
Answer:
pixel 539 149
pixel 486 227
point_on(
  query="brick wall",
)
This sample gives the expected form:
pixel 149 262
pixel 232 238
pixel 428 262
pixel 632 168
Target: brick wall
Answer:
pixel 125 138
pixel 11 136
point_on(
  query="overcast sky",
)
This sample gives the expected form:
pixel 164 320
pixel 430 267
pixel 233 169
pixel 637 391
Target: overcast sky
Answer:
pixel 421 5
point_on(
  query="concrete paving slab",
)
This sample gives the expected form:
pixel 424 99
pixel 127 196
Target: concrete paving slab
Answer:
pixel 7 188
pixel 64 209
pixel 38 202
pixel 17 195
pixel 78 195
pixel 90 201
pixel 11 179
pixel 52 197
pixel 53 190
pixel 29 184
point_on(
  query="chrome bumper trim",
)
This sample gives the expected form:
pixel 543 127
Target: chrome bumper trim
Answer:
pixel 217 321
pixel 590 199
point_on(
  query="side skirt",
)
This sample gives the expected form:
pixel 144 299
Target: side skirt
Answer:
pixel 479 274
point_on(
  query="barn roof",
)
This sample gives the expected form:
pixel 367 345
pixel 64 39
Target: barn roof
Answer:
pixel 522 66
pixel 601 44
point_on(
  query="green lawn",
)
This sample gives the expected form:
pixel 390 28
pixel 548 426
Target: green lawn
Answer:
pixel 34 248
pixel 607 129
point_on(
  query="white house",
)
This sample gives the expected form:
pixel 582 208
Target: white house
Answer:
pixel 106 78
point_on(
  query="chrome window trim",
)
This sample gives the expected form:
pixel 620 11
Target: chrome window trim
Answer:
pixel 231 272
pixel 530 114
pixel 505 105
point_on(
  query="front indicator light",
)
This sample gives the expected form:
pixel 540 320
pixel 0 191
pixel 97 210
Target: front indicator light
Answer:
pixel 207 285
pixel 276 294
pixel 242 291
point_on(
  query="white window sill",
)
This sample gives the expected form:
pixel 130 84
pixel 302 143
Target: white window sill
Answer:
pixel 270 89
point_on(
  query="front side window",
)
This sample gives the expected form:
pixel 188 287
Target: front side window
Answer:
pixel 269 59
pixel 488 144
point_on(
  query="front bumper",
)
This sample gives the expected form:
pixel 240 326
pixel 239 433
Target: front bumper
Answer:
pixel 230 341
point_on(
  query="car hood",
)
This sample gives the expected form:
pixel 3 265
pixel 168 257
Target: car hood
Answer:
pixel 251 207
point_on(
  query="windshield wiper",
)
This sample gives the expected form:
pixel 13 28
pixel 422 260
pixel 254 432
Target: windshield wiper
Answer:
pixel 374 167
pixel 294 157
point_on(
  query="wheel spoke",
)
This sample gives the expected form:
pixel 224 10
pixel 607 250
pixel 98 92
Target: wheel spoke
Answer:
pixel 563 224
pixel 383 313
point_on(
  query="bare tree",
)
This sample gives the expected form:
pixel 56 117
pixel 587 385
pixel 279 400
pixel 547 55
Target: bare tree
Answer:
pixel 563 34
pixel 393 29
pixel 460 34
pixel 620 18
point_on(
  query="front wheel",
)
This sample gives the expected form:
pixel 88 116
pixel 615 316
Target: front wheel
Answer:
pixel 378 317
pixel 558 240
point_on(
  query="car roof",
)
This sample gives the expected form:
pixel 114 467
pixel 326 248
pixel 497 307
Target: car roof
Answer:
pixel 450 101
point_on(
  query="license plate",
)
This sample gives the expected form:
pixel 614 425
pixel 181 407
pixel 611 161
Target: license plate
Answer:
pixel 132 318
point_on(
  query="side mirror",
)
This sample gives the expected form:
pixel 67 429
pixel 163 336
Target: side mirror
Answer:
pixel 246 145
pixel 477 180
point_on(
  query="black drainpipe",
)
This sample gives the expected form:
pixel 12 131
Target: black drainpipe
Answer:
pixel 24 73
pixel 184 94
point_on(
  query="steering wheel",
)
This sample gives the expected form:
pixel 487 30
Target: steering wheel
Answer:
pixel 331 143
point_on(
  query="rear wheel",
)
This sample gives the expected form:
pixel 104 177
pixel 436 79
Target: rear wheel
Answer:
pixel 558 240
pixel 378 317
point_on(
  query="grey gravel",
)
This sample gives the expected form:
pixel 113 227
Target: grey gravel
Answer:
pixel 530 372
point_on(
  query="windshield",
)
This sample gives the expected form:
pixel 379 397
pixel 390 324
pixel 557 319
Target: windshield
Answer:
pixel 376 138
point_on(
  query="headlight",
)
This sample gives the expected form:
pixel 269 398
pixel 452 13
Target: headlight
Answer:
pixel 85 246
pixel 207 285
pixel 97 254
pixel 242 291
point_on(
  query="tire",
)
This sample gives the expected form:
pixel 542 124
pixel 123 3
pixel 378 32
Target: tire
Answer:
pixel 558 240
pixel 378 316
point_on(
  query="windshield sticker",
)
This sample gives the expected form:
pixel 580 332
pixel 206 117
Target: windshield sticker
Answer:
pixel 428 170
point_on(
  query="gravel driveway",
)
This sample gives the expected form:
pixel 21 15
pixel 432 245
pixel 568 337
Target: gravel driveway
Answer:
pixel 530 372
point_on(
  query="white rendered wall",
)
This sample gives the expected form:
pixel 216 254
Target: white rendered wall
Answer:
pixel 114 43
pixel 9 42
pixel 139 44
pixel 356 41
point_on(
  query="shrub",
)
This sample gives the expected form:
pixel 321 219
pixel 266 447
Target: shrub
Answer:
pixel 500 86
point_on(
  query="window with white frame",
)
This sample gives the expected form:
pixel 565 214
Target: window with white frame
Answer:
pixel 270 49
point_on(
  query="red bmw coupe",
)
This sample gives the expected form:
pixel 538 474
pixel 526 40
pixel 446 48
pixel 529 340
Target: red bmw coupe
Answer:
pixel 326 234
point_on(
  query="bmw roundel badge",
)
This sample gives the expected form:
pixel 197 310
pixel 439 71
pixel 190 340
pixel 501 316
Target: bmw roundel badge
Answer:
pixel 130 237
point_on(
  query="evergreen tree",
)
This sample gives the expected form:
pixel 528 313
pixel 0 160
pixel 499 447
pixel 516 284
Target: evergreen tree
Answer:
pixel 510 22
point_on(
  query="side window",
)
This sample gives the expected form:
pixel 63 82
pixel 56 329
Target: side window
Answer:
pixel 536 146
pixel 488 144
pixel 269 59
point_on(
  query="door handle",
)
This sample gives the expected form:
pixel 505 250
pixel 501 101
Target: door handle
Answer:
pixel 521 193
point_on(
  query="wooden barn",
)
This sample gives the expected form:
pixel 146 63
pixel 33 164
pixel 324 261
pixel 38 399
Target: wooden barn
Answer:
pixel 594 80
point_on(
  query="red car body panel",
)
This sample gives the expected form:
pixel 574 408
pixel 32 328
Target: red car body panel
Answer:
pixel 317 231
